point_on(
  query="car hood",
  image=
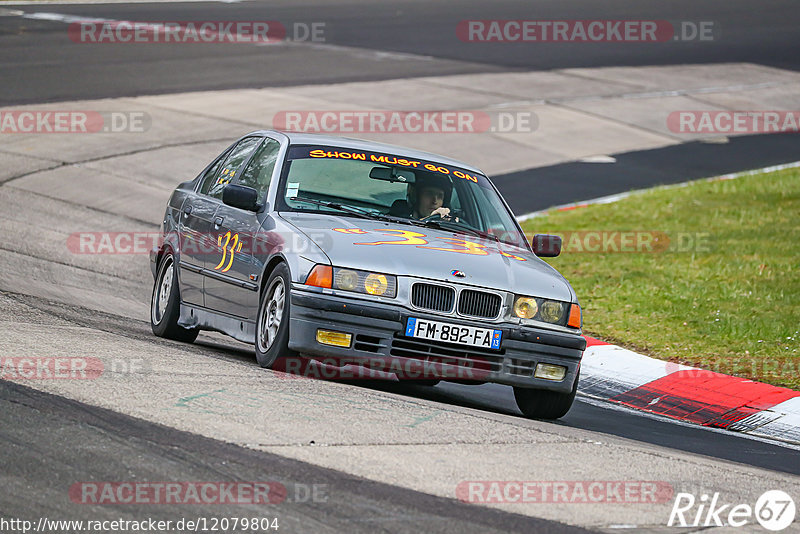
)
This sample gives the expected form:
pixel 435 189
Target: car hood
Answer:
pixel 349 242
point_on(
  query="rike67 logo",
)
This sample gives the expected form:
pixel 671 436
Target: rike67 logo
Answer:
pixel 774 510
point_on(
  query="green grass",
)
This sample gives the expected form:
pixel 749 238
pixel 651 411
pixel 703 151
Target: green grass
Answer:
pixel 731 305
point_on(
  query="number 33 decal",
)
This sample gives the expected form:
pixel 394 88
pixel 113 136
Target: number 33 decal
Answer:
pixel 235 246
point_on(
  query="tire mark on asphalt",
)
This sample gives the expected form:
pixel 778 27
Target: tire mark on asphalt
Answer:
pixel 117 325
pixel 83 206
pixel 5 181
pixel 63 264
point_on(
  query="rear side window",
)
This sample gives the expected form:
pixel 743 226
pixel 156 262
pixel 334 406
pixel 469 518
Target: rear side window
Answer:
pixel 211 175
pixel 214 182
pixel 258 173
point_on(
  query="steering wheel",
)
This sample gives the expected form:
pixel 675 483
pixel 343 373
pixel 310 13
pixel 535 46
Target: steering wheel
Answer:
pixel 434 217
pixel 453 217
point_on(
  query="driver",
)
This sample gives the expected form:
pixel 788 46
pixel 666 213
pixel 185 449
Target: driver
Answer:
pixel 429 195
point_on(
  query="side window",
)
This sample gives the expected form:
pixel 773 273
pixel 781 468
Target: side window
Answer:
pixel 259 173
pixel 230 167
pixel 210 175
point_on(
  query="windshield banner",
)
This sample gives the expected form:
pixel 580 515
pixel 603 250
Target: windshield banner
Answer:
pixel 313 152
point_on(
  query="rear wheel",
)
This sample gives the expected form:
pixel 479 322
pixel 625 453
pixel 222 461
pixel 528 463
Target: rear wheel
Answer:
pixel 272 324
pixel 165 306
pixel 543 404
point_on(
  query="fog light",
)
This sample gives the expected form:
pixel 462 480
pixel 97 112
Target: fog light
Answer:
pixel 549 371
pixel 337 339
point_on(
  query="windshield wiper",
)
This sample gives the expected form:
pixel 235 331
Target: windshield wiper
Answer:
pixel 345 209
pixel 444 224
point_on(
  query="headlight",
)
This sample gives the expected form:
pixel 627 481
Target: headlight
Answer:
pixel 382 285
pixel 346 279
pixel 376 284
pixel 525 307
pixel 552 311
pixel 548 311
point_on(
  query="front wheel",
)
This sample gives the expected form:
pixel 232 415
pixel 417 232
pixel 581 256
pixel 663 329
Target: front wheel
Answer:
pixel 272 324
pixel 165 306
pixel 543 404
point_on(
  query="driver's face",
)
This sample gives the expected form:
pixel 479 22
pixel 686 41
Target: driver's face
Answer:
pixel 430 198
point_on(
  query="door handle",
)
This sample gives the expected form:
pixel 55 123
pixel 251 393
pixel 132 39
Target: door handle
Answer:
pixel 187 211
pixel 218 222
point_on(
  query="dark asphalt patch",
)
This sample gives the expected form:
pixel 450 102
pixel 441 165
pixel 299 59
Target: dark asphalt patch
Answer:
pixel 543 187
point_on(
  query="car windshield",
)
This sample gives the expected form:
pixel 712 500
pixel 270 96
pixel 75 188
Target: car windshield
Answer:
pixel 374 184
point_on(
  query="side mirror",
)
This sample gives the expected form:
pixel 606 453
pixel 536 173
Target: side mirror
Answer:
pixel 242 197
pixel 546 246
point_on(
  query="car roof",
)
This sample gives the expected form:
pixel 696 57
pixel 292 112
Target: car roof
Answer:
pixel 302 138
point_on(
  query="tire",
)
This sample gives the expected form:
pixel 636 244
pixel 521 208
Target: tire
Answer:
pixel 165 305
pixel 272 322
pixel 543 404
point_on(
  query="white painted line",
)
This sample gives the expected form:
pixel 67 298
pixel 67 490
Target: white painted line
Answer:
pixel 598 159
pixel 360 53
pixel 600 200
pixel 60 17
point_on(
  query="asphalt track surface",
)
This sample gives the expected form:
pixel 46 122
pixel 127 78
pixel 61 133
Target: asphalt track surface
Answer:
pixel 585 414
pixel 37 55
pixel 36 428
pixel 103 445
pixel 600 417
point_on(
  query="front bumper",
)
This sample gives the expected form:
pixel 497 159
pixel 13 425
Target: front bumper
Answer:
pixel 378 336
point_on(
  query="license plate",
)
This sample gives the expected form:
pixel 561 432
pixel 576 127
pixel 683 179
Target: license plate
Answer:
pixel 452 333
